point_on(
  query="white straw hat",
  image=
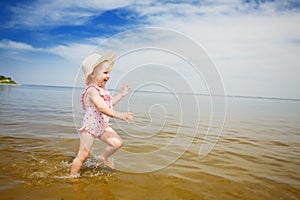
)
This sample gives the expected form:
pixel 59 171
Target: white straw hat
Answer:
pixel 93 60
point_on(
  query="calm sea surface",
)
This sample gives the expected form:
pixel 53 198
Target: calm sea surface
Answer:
pixel 257 155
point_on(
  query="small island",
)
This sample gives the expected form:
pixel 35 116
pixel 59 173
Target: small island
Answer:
pixel 7 80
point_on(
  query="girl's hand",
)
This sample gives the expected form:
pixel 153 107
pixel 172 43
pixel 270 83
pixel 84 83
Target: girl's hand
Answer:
pixel 125 90
pixel 126 116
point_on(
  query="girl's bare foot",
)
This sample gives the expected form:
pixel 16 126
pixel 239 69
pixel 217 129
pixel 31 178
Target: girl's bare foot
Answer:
pixel 74 175
pixel 107 162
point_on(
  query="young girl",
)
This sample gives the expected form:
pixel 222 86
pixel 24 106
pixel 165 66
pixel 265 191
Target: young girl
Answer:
pixel 97 103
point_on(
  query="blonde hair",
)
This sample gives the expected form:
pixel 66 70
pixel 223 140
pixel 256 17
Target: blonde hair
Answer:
pixel 90 78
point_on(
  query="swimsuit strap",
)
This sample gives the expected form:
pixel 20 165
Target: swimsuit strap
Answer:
pixel 85 91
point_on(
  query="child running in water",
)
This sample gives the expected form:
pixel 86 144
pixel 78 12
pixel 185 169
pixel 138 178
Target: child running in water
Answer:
pixel 97 103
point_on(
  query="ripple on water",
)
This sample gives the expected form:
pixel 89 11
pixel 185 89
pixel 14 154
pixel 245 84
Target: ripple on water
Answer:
pixel 45 163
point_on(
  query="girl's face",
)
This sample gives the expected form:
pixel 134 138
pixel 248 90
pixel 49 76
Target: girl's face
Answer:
pixel 102 74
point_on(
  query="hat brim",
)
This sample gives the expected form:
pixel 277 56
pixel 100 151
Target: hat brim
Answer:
pixel 109 56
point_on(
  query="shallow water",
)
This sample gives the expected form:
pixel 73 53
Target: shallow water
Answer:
pixel 256 157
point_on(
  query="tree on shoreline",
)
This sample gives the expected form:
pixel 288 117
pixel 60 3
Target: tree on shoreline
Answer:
pixel 6 80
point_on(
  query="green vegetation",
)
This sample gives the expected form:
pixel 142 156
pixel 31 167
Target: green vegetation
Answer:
pixel 6 80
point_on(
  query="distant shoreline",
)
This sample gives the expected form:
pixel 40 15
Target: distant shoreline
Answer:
pixel 7 81
pixel 16 84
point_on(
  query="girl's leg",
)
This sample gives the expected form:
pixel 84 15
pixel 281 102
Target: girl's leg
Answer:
pixel 86 143
pixel 114 142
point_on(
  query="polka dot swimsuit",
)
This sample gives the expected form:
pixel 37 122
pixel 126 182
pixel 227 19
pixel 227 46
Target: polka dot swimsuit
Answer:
pixel 95 122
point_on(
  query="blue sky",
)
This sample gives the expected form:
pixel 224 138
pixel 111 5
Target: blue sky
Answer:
pixel 255 45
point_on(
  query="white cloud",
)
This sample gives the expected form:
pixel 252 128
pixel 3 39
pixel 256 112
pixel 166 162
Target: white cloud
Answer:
pixel 253 45
pixel 9 44
pixel 74 52
pixel 41 14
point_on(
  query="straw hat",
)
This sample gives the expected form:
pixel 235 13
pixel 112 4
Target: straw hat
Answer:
pixel 93 60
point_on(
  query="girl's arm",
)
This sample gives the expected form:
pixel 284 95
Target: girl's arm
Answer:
pixel 93 96
pixel 124 91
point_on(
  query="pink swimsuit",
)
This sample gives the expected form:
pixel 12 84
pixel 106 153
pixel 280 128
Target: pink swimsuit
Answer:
pixel 95 122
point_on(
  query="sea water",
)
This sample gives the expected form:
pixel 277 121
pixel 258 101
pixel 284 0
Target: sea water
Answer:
pixel 256 156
